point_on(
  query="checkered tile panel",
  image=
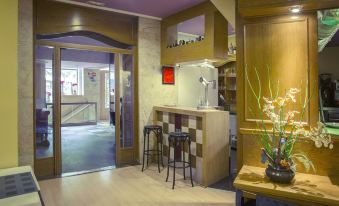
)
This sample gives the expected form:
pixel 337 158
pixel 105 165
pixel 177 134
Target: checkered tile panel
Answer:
pixel 192 125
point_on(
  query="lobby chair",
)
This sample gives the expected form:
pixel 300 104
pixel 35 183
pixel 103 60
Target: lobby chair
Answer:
pixel 42 127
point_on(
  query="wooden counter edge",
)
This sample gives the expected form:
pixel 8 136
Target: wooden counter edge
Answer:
pixel 186 110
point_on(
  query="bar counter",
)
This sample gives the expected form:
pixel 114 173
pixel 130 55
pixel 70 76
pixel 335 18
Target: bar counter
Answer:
pixel 209 131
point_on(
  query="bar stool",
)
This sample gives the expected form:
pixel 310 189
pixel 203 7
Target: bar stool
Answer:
pixel 157 130
pixel 177 139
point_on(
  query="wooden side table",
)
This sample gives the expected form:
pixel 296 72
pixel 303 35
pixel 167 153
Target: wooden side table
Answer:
pixel 305 189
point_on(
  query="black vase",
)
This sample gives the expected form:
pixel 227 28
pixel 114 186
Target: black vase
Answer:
pixel 284 176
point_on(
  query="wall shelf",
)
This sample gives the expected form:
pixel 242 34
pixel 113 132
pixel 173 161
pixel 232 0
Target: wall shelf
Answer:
pixel 214 45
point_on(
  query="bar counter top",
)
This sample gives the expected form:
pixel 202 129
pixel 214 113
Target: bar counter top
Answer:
pixel 187 110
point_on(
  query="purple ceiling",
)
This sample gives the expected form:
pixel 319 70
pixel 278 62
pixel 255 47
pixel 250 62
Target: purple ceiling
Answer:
pixel 156 8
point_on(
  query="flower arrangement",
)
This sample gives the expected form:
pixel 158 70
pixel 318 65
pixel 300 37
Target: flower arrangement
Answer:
pixel 278 143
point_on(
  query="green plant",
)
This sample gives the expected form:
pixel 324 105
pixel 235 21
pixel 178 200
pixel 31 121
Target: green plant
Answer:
pixel 278 143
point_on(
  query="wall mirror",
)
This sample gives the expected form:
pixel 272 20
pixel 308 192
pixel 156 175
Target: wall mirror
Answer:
pixel 328 68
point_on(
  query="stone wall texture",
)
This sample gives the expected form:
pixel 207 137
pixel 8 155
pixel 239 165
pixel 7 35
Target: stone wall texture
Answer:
pixel 25 86
pixel 151 90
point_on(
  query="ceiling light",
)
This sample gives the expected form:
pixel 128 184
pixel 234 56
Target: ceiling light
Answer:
pixel 96 3
pixel 295 9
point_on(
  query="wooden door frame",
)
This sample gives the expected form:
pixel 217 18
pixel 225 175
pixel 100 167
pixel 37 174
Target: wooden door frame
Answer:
pixel 57 46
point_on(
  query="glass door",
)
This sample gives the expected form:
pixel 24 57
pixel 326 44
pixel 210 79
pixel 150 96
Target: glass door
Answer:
pixel 126 146
pixel 44 78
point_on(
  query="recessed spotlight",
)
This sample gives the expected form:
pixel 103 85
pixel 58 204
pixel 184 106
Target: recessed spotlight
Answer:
pixel 96 3
pixel 295 9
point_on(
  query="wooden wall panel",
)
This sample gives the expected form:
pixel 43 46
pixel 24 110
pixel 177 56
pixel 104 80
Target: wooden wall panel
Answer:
pixel 289 47
pixel 285 46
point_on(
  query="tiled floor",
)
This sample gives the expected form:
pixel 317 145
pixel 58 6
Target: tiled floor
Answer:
pixel 87 147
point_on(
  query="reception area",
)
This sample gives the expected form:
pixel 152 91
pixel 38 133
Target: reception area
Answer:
pixel 148 102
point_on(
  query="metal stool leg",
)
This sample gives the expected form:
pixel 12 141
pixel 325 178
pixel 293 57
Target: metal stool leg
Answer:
pixel 143 153
pixel 158 151
pixel 161 147
pixel 175 148
pixel 183 159
pixel 168 158
pixel 147 149
pixel 190 160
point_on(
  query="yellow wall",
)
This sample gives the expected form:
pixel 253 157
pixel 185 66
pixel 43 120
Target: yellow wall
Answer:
pixel 8 84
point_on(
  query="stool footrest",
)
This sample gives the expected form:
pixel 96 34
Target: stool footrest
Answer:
pixel 152 152
pixel 185 164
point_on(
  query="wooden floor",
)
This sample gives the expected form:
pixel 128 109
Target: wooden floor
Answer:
pixel 129 186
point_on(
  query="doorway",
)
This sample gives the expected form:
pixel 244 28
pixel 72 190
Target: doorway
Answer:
pixel 87 137
pixel 84 105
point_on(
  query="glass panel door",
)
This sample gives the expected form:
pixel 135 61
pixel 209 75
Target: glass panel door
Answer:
pixel 127 101
pixel 126 105
pixel 44 111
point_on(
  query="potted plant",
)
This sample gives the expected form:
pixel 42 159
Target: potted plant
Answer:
pixel 278 142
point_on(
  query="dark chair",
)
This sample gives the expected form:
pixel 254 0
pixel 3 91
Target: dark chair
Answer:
pixel 176 139
pixel 157 130
pixel 42 127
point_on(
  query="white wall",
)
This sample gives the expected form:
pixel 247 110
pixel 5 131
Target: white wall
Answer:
pixel 190 89
pixel 329 61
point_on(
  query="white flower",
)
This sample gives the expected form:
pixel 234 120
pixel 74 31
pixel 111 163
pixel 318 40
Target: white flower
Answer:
pixel 331 146
pixel 318 143
pixel 268 101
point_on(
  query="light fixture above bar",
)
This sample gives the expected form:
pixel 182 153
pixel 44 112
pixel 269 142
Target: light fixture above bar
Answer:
pixel 206 63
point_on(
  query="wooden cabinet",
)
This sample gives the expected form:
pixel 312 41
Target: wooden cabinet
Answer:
pixel 213 46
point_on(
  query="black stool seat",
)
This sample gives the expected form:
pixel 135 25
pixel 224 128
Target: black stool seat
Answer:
pixel 181 136
pixel 152 127
pixel 177 139
pixel 157 130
